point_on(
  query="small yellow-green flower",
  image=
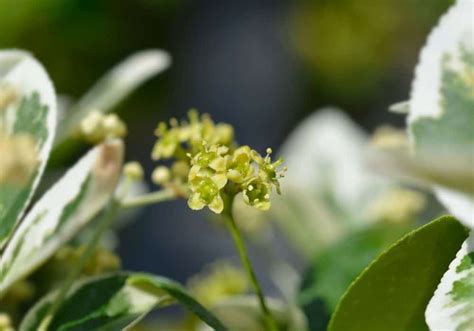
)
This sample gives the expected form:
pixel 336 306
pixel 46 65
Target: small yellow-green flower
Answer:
pixel 257 193
pixel 213 158
pixel 224 134
pixel 205 190
pixel 207 177
pixel 268 170
pixel 167 143
pixel 240 168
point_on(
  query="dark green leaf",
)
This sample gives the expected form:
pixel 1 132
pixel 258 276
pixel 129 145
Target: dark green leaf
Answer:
pixel 393 292
pixel 333 271
pixel 113 302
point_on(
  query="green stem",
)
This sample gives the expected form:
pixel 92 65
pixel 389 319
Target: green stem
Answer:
pixel 103 225
pixel 150 198
pixel 270 323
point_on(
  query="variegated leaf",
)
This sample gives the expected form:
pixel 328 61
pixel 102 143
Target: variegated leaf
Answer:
pixel 117 84
pixel 115 302
pixel 31 114
pixel 62 211
pixel 452 306
pixel 441 118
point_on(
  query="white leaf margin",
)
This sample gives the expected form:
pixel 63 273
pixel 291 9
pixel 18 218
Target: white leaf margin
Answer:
pixel 103 164
pixel 440 313
pixel 456 26
pixel 25 73
pixel 20 69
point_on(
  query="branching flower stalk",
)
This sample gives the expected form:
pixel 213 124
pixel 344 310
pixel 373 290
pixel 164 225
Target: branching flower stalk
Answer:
pixel 212 171
pixel 209 169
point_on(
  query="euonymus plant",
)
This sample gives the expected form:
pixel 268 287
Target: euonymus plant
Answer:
pixel 352 207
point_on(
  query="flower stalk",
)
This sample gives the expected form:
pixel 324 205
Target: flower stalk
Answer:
pixel 149 198
pixel 270 323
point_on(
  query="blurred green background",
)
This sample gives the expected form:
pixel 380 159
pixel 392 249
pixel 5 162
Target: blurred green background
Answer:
pixel 260 65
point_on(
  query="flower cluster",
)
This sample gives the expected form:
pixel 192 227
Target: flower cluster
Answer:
pixel 207 161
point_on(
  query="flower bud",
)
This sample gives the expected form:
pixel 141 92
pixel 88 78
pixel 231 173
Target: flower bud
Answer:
pixel 180 169
pixel 90 127
pixel 133 170
pixel 96 127
pixel 113 126
pixel 161 175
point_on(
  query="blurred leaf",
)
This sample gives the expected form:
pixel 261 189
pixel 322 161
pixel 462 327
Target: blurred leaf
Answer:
pixel 34 115
pixel 244 314
pixel 341 41
pixel 114 302
pixel 452 305
pixel 335 269
pixel 393 292
pixel 328 189
pixel 62 212
pixel 430 169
